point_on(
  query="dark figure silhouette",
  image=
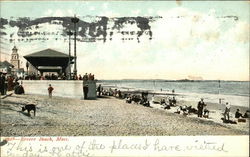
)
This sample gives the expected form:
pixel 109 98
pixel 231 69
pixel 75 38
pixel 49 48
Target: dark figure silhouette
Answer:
pixel 85 91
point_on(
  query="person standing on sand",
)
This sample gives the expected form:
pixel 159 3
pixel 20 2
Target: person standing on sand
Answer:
pixel 200 106
pixel 227 111
pixel 99 90
pixel 85 91
pixel 50 89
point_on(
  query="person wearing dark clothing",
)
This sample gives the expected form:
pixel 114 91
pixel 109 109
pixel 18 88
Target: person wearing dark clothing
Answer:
pixel 50 89
pixel 99 90
pixel 2 84
pixel 163 102
pixel 200 106
pixel 238 114
pixel 85 77
pixel 10 84
pixel 174 101
pixel 247 114
pixel 119 94
pixel 18 89
pixel 85 91
pixel 226 112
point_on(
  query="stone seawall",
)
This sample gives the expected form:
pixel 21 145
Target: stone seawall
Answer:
pixel 64 88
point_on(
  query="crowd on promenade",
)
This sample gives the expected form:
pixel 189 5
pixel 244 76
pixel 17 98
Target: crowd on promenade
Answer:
pixel 52 76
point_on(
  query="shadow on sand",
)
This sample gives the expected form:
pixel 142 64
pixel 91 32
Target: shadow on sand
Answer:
pixel 25 114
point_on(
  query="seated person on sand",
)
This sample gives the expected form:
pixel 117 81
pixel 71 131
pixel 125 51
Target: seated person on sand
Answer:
pixel 143 100
pixel 192 110
pixel 183 109
pixel 136 99
pixel 115 93
pixel 174 101
pixel 247 114
pixel 128 100
pixel 167 106
pixel 205 112
pixel 163 102
pixel 238 114
pixel 119 94
pixel 18 89
pixel 147 104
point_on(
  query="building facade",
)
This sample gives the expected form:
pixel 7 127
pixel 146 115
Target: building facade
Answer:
pixel 15 58
pixel 15 61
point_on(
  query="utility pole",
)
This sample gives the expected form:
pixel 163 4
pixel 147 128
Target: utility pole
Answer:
pixel 69 64
pixel 219 93
pixel 75 20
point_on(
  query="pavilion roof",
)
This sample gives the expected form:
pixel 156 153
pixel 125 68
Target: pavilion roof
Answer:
pixel 48 57
pixel 47 53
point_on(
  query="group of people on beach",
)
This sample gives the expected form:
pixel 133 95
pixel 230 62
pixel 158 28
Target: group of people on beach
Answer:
pixel 167 105
pixel 238 115
pixel 138 99
pixel 10 83
pixel 202 110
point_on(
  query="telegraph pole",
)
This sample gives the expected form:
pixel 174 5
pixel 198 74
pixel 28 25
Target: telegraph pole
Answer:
pixel 75 20
pixel 69 64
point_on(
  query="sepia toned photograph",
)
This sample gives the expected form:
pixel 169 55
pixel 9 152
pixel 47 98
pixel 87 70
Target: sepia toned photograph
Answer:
pixel 124 68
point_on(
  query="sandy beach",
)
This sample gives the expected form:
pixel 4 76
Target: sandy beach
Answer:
pixel 107 116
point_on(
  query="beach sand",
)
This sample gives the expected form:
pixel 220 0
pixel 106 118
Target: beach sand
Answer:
pixel 107 116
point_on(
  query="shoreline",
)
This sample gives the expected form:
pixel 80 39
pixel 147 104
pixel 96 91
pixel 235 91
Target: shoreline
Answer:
pixel 235 100
pixel 106 116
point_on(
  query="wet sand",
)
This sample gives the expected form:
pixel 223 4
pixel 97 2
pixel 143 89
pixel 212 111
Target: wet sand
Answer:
pixel 105 117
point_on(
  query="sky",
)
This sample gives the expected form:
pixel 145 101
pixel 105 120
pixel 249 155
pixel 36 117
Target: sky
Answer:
pixel 192 39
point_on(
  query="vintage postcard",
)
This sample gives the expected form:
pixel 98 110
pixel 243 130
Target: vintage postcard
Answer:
pixel 124 78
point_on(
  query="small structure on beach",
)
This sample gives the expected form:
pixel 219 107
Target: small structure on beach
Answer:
pixel 91 85
pixel 49 60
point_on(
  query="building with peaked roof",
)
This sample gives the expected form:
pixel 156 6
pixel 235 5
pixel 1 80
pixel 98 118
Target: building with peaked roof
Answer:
pixel 50 60
pixel 6 67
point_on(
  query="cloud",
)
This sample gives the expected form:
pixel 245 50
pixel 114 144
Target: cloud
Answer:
pixel 185 43
pixel 105 5
pixel 136 12
pixel 182 28
pixel 58 13
pixel 110 13
pixel 239 33
pixel 91 8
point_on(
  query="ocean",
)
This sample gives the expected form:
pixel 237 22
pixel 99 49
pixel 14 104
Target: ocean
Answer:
pixel 234 92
